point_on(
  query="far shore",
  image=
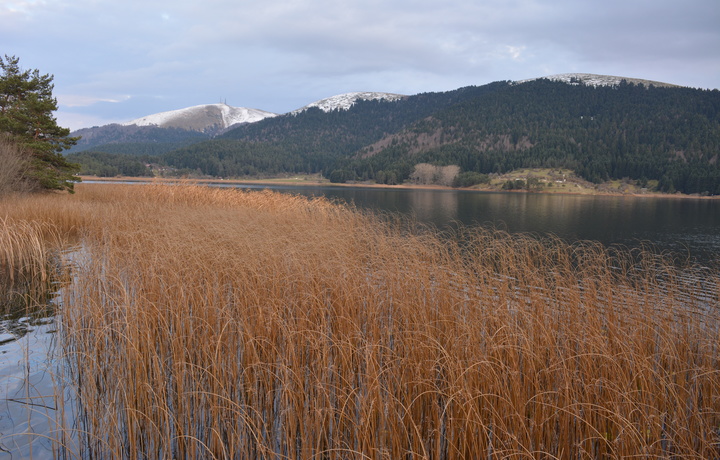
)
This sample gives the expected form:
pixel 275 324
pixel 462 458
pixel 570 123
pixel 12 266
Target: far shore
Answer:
pixel 313 182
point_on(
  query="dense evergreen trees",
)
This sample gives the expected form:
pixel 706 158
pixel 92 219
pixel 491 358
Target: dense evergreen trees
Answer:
pixel 135 140
pixel 671 135
pixel 104 164
pixel 26 107
pixel 600 132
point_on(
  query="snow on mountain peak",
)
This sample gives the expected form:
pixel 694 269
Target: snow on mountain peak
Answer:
pixel 202 117
pixel 596 80
pixel 346 100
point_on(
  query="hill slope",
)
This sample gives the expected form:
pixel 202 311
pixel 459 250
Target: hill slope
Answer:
pixel 312 140
pixel 165 131
pixel 602 127
pixel 591 79
pixel 203 118
pixel 347 100
pixel 601 132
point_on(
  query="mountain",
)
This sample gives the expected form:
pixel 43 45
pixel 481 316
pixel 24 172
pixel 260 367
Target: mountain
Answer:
pixel 347 100
pixel 599 80
pixel 601 131
pixel 602 127
pixel 209 118
pixel 161 132
pixel 115 138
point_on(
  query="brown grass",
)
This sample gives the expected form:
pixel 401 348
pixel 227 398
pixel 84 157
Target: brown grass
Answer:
pixel 216 323
pixel 28 263
pixel 14 165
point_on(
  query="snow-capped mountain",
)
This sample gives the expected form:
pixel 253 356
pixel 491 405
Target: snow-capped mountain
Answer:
pixel 345 101
pixel 192 124
pixel 597 80
pixel 213 117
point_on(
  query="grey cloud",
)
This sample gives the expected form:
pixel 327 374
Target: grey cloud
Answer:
pixel 263 54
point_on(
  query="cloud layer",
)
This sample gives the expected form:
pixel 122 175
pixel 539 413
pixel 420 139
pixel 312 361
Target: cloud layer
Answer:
pixel 114 61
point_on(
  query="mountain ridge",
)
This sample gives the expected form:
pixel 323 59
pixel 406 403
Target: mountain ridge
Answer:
pixel 599 80
pixel 202 117
pixel 217 118
pixel 601 127
pixel 346 100
pixel 208 119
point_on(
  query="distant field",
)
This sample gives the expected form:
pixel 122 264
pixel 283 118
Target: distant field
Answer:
pixel 549 181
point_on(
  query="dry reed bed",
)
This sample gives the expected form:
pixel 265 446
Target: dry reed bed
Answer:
pixel 28 251
pixel 220 323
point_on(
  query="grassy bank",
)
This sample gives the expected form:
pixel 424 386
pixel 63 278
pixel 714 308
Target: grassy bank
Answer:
pixel 562 182
pixel 218 323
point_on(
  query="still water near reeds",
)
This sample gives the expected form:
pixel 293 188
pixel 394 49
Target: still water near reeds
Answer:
pixel 37 401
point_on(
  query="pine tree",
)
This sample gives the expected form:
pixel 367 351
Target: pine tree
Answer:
pixel 26 114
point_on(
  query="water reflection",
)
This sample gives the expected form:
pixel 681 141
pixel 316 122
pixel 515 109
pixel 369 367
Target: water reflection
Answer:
pixel 30 371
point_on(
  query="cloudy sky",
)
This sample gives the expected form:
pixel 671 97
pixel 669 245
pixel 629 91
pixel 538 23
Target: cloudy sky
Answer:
pixel 114 61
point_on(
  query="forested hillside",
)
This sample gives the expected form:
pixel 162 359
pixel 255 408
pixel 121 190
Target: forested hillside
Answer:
pixel 104 164
pixel 668 134
pixel 312 141
pixel 133 139
pixel 671 135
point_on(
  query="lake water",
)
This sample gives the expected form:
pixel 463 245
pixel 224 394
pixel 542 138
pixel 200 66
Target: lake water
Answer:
pixel 687 227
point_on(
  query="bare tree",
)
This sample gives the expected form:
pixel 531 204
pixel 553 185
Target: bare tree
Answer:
pixel 424 174
pixel 14 165
pixel 427 174
pixel 446 174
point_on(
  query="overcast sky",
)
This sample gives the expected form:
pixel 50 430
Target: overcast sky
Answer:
pixel 117 60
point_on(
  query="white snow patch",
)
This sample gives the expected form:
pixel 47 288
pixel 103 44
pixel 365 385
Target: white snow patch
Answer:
pixel 223 115
pixel 345 101
pixel 595 80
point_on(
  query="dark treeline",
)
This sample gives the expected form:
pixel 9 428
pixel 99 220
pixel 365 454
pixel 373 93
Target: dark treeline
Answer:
pixel 135 140
pixel 103 164
pixel 668 134
pixel 671 135
pixel 311 141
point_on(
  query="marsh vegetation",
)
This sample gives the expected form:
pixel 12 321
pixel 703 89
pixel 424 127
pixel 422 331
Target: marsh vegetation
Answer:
pixel 220 323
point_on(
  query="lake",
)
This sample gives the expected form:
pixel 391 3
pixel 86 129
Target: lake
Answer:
pixel 687 226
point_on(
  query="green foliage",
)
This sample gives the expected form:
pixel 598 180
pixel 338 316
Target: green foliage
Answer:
pixel 103 164
pixel 340 176
pixel 533 183
pixel 669 135
pixel 135 140
pixel 26 107
pixel 470 178
pixel 386 177
pixel 600 132
pixel 517 184
pixel 315 141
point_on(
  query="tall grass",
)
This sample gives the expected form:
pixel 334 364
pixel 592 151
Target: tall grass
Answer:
pixel 214 323
pixel 28 257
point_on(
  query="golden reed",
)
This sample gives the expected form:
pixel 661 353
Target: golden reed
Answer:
pixel 217 323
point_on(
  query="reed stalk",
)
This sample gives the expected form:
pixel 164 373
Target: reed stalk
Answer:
pixel 216 323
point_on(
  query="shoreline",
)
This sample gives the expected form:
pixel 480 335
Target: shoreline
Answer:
pixel 318 183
